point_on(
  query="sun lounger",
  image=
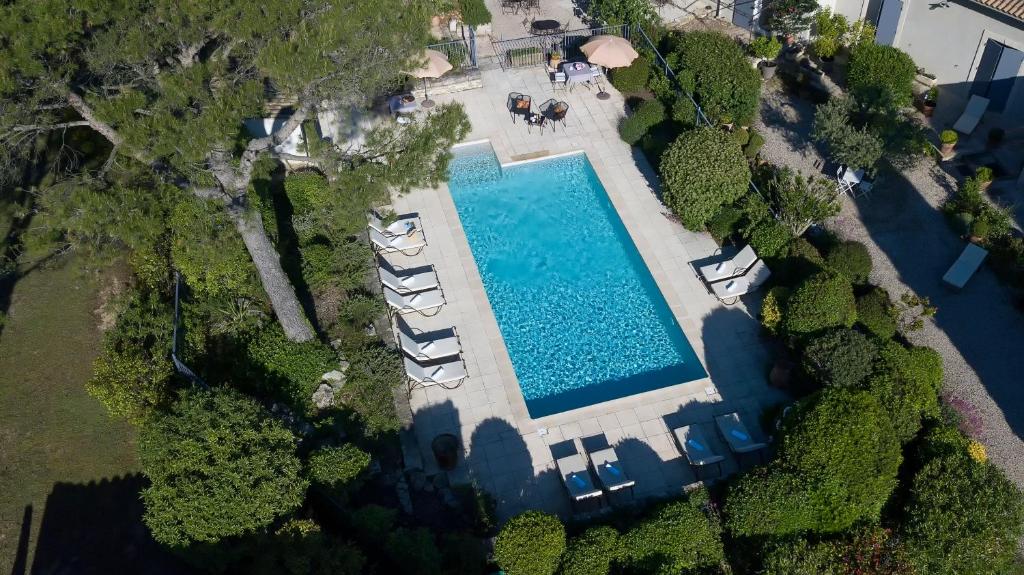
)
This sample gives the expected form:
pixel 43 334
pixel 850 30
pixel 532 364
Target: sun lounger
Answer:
pixel 404 282
pixel 735 266
pixel 576 478
pixel 975 109
pixel 426 303
pixel 730 290
pixel 609 470
pixel 403 226
pixel 697 448
pixel 408 245
pixel 736 434
pixel 448 375
pixel 964 267
pixel 429 348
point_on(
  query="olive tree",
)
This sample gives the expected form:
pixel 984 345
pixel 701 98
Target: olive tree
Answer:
pixel 167 86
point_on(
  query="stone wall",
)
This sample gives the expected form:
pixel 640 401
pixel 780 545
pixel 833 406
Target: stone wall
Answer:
pixel 454 81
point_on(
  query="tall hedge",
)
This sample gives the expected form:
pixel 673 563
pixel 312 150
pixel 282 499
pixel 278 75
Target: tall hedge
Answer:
pixel 841 357
pixel 679 536
pixel 964 515
pixel 881 77
pixel 646 116
pixel 907 382
pixel 715 69
pixel 632 78
pixel 592 552
pixel 823 301
pixel 876 312
pixel 836 467
pixel 700 172
pixel 531 543
pixel 851 259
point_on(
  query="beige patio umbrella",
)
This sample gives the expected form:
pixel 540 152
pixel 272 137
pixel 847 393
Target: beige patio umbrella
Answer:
pixel 437 64
pixel 610 52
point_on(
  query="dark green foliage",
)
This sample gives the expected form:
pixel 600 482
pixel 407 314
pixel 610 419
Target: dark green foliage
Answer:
pixel 716 71
pixel 964 516
pixel 338 468
pixel 791 17
pixel 856 147
pixel 754 144
pixel 741 135
pixel 372 523
pixel 677 536
pixel 799 261
pixel 592 552
pixel 876 312
pixel 646 116
pixel 633 78
pixel 836 466
pixel 209 253
pixel 463 554
pixel 219 466
pixel 700 172
pixel 725 223
pixel 851 259
pixel 881 77
pixel 867 551
pixel 801 201
pixel 977 216
pixel 841 357
pixel 375 371
pixel 474 12
pixel 823 301
pixel 531 543
pixel 306 191
pixel 287 370
pixel 615 12
pixel 769 238
pixel 907 382
pixel 300 547
pixel 408 547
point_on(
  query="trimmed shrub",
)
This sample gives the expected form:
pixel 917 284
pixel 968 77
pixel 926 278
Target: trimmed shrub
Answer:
pixel 474 12
pixel 868 551
pixel 643 118
pixel 406 547
pixel 700 172
pixel 679 536
pixel 287 370
pixel 632 78
pixel 876 312
pixel 742 136
pixel 306 191
pixel 842 357
pixel 338 467
pixel 823 301
pixel 631 12
pixel 801 260
pixel 591 553
pixel 769 238
pixel 907 382
pixel 724 224
pixel 851 259
pixel 836 467
pixel 372 523
pixel 881 77
pixel 963 516
pixel 531 543
pixel 754 144
pixel 719 76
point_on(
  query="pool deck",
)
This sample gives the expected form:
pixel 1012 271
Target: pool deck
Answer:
pixel 507 453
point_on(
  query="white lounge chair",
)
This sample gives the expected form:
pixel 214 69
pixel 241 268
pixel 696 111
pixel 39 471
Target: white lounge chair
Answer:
pixel 736 434
pixel 403 226
pixel 404 282
pixel 738 265
pixel 425 349
pixel 408 245
pixel 975 109
pixel 964 267
pixel 448 375
pixel 426 303
pixel 609 470
pixel 730 290
pixel 577 479
pixel 697 448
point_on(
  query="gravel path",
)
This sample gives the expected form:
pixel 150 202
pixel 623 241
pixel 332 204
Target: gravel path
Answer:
pixel 978 331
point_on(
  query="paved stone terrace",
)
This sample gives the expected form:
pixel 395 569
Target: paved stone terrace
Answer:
pixel 506 452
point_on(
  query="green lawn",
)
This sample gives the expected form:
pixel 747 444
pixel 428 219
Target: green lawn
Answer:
pixel 51 431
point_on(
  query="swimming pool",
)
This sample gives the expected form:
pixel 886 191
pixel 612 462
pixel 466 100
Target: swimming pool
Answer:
pixel 578 309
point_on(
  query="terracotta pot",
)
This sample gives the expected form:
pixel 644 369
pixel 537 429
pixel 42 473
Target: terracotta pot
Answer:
pixel 928 108
pixel 947 149
pixel 984 185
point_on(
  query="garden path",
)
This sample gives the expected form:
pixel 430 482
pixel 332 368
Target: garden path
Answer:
pixel 978 331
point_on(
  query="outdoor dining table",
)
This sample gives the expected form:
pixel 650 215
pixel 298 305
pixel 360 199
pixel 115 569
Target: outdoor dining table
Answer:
pixel 577 73
pixel 545 27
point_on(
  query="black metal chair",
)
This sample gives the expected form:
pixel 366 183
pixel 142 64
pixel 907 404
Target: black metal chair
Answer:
pixel 555 111
pixel 519 105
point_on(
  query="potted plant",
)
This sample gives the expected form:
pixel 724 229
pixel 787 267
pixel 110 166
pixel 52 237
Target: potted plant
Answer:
pixel 555 59
pixel 995 137
pixel 766 49
pixel 949 139
pixel 931 98
pixel 984 176
pixel 726 122
pixel 830 29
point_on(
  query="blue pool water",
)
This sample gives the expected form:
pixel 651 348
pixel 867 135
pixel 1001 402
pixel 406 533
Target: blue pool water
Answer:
pixel 580 314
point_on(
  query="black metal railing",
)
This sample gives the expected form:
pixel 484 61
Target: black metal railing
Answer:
pixel 461 52
pixel 535 50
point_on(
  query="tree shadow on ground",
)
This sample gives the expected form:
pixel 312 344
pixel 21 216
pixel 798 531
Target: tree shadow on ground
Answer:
pixel 97 527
